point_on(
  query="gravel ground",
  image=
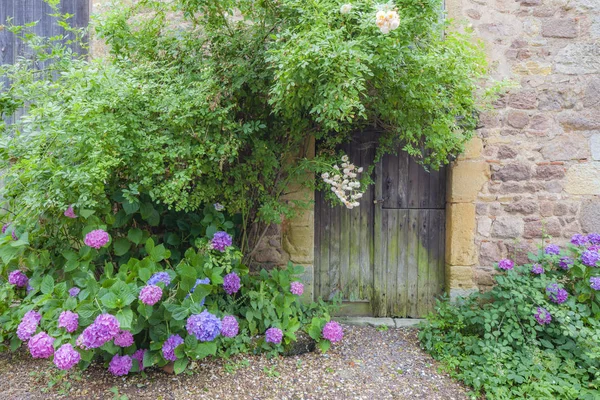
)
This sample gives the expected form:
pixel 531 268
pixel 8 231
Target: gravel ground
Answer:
pixel 367 364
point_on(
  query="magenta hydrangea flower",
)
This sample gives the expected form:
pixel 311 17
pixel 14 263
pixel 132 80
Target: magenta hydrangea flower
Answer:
pixel 205 326
pixel 69 213
pixel 542 316
pixel 123 339
pixel 552 249
pixel 120 365
pixel 229 326
pixel 139 356
pixel 556 294
pixel 595 282
pixel 537 269
pixel 18 278
pixel 96 239
pixel 273 335
pixel 150 294
pixel 297 288
pixel 169 347
pixel 28 325
pixel 333 332
pixel 68 320
pixel 231 283
pixel 590 258
pixel 66 357
pixel 103 330
pixel 74 291
pixel 579 240
pixel 565 263
pixel 221 241
pixel 41 345
pixel 506 264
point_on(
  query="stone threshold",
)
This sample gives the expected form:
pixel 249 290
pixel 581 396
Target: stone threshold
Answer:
pixel 389 322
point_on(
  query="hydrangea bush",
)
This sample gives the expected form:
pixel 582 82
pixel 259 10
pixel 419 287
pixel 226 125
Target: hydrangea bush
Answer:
pixel 535 334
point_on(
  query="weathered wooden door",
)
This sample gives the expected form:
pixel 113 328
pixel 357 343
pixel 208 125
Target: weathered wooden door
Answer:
pixel 387 256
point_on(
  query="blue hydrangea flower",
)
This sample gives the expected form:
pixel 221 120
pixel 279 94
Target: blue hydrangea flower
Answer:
pixel 160 277
pixel 205 281
pixel 205 326
pixel 590 258
pixel 595 282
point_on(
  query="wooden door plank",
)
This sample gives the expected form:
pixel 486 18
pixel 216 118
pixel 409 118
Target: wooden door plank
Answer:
pixel 378 299
pixel 403 179
pixel 365 243
pixel 435 218
pixel 423 263
pixel 413 184
pixel 354 253
pixel 434 189
pixel 403 265
pixel 442 253
pixel 392 261
pixel 317 245
pixel 334 252
pixel 424 182
pixel 324 249
pixel 344 254
pixel 413 261
pixel 390 181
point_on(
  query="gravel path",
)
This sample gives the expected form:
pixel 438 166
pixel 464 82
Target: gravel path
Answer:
pixel 367 364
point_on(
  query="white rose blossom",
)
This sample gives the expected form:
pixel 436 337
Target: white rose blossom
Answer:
pixel 346 8
pixel 387 21
pixel 345 184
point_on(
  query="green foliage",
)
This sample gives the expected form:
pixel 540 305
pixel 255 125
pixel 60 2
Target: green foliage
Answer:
pixel 494 344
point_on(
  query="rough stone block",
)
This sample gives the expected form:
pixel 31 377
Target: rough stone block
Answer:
pixel 298 242
pixel 467 179
pixel 591 96
pixel 583 179
pixel 566 147
pixel 579 58
pixel 595 146
pixel 586 120
pixel 506 152
pixel 507 227
pixel 516 171
pixel 523 207
pixel 550 172
pixel 589 217
pixel 460 234
pixel 517 119
pixel 539 228
pixel 472 149
pixel 560 28
pixel 489 253
pixel 460 277
pixel 524 100
pixel 484 226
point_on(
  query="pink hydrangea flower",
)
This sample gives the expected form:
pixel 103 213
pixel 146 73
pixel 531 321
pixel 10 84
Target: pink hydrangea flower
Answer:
pixel 297 288
pixel 150 294
pixel 69 213
pixel 169 347
pixel 124 339
pixel 231 283
pixel 28 325
pixel 41 345
pixel 120 365
pixel 104 329
pixel 68 320
pixel 139 356
pixel 96 239
pixel 273 335
pixel 229 326
pixel 66 357
pixel 333 332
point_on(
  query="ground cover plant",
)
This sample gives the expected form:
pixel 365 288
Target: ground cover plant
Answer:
pixel 533 335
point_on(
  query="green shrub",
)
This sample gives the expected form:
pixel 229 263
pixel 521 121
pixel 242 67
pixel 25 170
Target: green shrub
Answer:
pixel 495 343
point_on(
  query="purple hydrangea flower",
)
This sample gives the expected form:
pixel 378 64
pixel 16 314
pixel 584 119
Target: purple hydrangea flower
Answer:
pixel 41 345
pixel 590 258
pixel 66 357
pixel 594 238
pixel 537 269
pixel 594 248
pixel 169 347
pixel 103 330
pixel 595 282
pixel 205 326
pixel 69 213
pixel 552 249
pixel 506 264
pixel 18 278
pixel 296 288
pixel 160 277
pixel 556 294
pixel 273 335
pixel 221 241
pixel 28 325
pixel 333 332
pixel 139 356
pixel 96 239
pixel 123 339
pixel 579 240
pixel 565 263
pixel 542 316
pixel 231 283
pixel 229 326
pixel 150 294
pixel 68 320
pixel 120 365
pixel 29 288
pixel 74 291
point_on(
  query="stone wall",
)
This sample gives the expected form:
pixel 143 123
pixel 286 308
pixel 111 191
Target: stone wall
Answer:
pixel 534 168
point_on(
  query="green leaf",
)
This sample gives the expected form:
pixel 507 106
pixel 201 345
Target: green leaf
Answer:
pixel 86 213
pixel 211 230
pixel 87 310
pixel 180 365
pixel 110 300
pixel 144 274
pixel 324 345
pixel 70 303
pixel 149 245
pixel 205 349
pixel 130 208
pixel 158 253
pixel 47 286
pixel 135 235
pixel 125 317
pixel 121 246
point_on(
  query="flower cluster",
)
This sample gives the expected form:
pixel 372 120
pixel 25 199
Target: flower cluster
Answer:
pixel 160 277
pixel 387 21
pixel 296 288
pixel 123 339
pixel 537 269
pixel 150 294
pixel 18 278
pixel 333 332
pixel 506 264
pixel 120 365
pixel 273 335
pixel 231 283
pixel 74 291
pixel 69 213
pixel 579 240
pixel 28 325
pixel 229 326
pixel 221 241
pixel 96 239
pixel 346 8
pixel 542 316
pixel 41 345
pixel 139 356
pixel 590 258
pixel 68 320
pixel 345 184
pixel 595 282
pixel 218 206
pixel 552 249
pixel 556 294
pixel 169 347
pixel 66 357
pixel 205 326
pixel 565 263
pixel 103 330
pixel 594 238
